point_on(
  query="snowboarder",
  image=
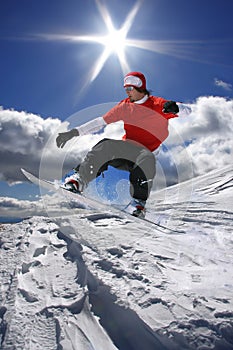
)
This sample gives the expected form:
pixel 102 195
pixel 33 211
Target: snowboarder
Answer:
pixel 145 120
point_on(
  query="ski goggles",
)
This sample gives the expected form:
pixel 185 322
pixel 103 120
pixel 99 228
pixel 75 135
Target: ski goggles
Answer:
pixel 129 88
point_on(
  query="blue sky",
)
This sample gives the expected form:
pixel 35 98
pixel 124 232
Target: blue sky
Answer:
pixel 47 71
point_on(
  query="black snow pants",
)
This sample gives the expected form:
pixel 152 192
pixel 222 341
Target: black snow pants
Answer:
pixel 123 155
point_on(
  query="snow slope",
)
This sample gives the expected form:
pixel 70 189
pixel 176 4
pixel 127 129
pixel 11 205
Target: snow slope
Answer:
pixel 98 281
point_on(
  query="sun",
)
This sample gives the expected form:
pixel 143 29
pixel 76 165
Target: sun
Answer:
pixel 115 42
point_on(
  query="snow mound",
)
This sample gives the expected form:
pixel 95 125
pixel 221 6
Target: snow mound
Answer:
pixel 99 281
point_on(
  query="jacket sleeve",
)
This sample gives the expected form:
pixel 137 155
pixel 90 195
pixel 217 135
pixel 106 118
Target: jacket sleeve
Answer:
pixel 92 126
pixel 113 115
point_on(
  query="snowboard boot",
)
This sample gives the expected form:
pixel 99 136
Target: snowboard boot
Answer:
pixel 138 208
pixel 74 183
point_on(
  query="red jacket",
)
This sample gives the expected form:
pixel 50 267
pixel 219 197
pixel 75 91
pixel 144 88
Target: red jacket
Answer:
pixel 144 123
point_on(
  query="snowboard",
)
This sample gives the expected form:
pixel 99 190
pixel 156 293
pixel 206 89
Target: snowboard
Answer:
pixel 80 199
pixel 89 203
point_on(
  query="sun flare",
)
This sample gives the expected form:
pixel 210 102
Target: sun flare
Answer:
pixel 114 42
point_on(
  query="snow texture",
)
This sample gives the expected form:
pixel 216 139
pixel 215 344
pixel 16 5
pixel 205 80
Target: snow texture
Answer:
pixel 101 281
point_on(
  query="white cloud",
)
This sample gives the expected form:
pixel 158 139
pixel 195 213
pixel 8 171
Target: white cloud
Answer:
pixel 22 139
pixel 223 84
pixel 29 141
pixel 206 135
pixel 13 207
pixel 47 205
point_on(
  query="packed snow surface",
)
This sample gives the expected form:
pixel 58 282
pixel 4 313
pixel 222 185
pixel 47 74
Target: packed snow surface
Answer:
pixel 95 280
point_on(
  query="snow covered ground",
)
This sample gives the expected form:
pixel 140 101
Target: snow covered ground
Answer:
pixel 99 281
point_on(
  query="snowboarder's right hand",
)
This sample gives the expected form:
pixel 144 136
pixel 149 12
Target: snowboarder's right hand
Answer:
pixel 170 107
pixel 63 137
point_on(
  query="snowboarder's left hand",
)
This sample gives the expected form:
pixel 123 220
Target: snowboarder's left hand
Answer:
pixel 170 107
pixel 63 137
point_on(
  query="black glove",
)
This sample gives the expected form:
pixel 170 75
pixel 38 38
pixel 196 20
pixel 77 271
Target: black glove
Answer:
pixel 63 137
pixel 170 107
